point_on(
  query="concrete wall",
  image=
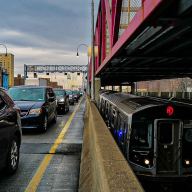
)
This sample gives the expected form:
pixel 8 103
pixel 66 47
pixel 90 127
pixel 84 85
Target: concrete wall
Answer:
pixel 103 167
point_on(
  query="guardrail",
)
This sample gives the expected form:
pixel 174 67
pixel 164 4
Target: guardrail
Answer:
pixel 103 167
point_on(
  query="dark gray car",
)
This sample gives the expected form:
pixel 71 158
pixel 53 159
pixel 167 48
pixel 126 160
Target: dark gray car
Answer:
pixel 37 105
pixel 71 97
pixel 62 100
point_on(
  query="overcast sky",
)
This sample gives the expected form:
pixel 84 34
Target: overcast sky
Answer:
pixel 45 31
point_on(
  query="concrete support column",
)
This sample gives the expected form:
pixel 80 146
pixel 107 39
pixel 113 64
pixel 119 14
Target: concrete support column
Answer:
pixel 113 88
pixel 120 88
pixel 97 89
pixel 133 88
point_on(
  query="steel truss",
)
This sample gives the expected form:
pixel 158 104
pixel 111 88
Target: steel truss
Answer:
pixel 54 68
pixel 143 40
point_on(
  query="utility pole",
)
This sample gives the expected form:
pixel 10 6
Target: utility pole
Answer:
pixel 88 88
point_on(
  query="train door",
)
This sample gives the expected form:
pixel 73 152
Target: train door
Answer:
pixel 122 128
pixel 168 138
pixel 113 121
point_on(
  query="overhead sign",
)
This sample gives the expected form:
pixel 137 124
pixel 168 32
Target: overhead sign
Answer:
pixel 55 68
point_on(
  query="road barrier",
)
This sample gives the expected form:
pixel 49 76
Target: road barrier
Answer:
pixel 103 167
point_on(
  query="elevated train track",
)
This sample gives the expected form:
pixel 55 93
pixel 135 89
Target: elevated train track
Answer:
pixel 155 45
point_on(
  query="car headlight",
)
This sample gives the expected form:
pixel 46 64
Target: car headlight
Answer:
pixel 61 100
pixel 36 111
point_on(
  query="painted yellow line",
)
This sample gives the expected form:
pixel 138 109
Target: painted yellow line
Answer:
pixel 34 183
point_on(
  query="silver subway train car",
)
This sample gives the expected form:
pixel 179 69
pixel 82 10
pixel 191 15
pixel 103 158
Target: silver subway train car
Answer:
pixel 154 135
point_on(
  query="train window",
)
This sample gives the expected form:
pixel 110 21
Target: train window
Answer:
pixel 141 136
pixel 102 105
pixel 187 144
pixel 188 135
pixel 113 115
pixel 106 110
pixel 187 132
pixel 165 132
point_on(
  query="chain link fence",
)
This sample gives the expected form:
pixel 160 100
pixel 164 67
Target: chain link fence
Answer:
pixel 128 11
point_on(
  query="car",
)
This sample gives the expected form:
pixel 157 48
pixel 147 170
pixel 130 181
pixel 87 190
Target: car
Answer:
pixel 37 104
pixel 10 133
pixel 62 100
pixel 71 97
pixel 76 95
pixel 81 93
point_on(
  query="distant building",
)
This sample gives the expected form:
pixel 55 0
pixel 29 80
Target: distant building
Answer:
pixel 165 85
pixel 67 80
pixel 19 80
pixel 8 64
pixel 1 71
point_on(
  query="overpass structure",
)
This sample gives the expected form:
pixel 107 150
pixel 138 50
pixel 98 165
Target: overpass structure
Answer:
pixel 142 40
pixel 54 69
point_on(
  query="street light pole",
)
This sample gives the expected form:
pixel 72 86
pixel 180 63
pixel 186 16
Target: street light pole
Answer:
pixel 93 55
pixel 82 44
pixel 88 91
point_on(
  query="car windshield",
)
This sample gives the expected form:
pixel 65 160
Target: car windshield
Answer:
pixel 69 92
pixel 75 92
pixel 27 94
pixel 59 92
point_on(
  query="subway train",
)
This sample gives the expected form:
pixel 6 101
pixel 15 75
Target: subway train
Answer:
pixel 155 135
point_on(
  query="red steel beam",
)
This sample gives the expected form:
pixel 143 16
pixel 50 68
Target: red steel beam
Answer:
pixel 148 7
pixel 109 20
pixel 116 16
pixel 103 31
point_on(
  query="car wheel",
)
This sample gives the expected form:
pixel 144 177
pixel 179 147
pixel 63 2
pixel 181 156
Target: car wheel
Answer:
pixel 55 117
pixel 64 109
pixel 13 157
pixel 68 108
pixel 45 122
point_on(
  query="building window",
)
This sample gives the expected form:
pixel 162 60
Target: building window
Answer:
pixel 35 75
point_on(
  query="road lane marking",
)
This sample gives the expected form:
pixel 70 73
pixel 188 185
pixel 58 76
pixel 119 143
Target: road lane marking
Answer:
pixel 35 181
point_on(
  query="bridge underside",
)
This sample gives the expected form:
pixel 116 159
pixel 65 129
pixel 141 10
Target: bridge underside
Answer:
pixel 160 48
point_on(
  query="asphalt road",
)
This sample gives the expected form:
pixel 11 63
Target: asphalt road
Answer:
pixel 62 172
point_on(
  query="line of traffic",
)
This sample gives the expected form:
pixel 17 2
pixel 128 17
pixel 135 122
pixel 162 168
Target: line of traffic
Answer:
pixel 35 181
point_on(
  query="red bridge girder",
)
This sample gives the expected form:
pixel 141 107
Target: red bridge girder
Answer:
pixel 112 45
pixel 112 15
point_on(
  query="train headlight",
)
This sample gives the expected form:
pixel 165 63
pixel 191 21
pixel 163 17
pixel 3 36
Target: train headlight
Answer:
pixel 187 162
pixel 146 162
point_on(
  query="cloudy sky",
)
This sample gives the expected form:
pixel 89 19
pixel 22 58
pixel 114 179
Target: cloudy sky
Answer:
pixel 45 31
